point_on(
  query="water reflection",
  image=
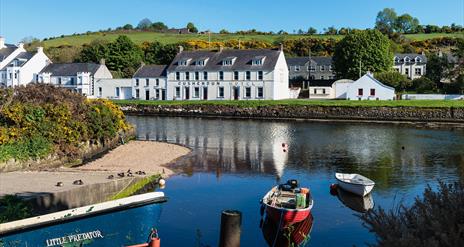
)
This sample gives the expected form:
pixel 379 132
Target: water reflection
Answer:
pixel 389 154
pixel 357 203
pixel 295 235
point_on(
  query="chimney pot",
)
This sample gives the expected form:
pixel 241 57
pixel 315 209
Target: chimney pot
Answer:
pixel 102 61
pixel 281 48
pixel 181 48
pixel 39 49
pixel 2 42
pixel 21 45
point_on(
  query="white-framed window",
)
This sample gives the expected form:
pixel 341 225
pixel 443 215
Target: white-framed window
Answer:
pixel 137 93
pixel 196 92
pixel 227 62
pixel 147 82
pixel 177 92
pixel 59 80
pixel 201 62
pixel 322 67
pixel 235 75
pixel 197 76
pixel 177 75
pixel 100 91
pixel 220 92
pixel 187 75
pixel 418 71
pixel 248 75
pixel 257 61
pixel 322 77
pixel 247 92
pixel 297 67
pixel 406 71
pixel 157 93
pixel 221 75
pixel 260 75
pixel 313 68
pixel 118 92
pixel 137 82
pixel 183 62
pixel 315 91
pixel 323 91
pixel 260 92
pixel 157 82
pixel 205 75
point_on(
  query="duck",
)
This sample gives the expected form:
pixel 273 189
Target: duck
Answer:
pixel 78 182
pixel 59 184
pixel 110 177
pixel 121 174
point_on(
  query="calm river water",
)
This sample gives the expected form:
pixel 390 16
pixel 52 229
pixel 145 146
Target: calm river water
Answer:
pixel 235 162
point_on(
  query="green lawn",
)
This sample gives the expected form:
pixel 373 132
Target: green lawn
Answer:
pixel 302 102
pixel 139 37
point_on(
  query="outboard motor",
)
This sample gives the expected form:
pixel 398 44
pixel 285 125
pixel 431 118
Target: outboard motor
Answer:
pixel 293 183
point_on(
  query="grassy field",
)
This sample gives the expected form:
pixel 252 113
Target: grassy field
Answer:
pixel 302 102
pixel 140 37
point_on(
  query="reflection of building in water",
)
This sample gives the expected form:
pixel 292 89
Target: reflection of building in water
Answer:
pixel 222 145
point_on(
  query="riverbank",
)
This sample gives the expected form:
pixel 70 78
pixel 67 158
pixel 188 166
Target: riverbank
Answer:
pixel 386 111
pixel 57 189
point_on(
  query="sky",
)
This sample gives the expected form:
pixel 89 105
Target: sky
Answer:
pixel 46 18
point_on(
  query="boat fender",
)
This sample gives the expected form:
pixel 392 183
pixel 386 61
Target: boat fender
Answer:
pixel 333 189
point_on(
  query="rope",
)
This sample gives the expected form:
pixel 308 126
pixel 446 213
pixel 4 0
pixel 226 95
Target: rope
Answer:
pixel 278 227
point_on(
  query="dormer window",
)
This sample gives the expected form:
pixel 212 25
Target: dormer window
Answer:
pixel 418 60
pixel 407 59
pixel 258 60
pixel 397 60
pixel 229 61
pixel 184 62
pixel 201 62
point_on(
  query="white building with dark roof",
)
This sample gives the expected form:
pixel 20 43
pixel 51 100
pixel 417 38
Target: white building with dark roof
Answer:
pixel 79 77
pixel 369 88
pixel 412 65
pixel 228 75
pixel 18 66
pixel 150 82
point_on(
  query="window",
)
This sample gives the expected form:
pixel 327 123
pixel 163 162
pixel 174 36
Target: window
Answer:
pixel 220 92
pixel 197 75
pixel 322 77
pixel 322 67
pixel 257 61
pixel 205 75
pixel 157 93
pixel 196 92
pixel 117 92
pixel 297 68
pixel 183 62
pixel 221 75
pixel 187 76
pixel 248 75
pixel 235 75
pixel 177 95
pixel 177 75
pixel 16 75
pixel 406 71
pixel 313 68
pixel 330 67
pixel 323 91
pixel 59 80
pixel 260 75
pixel 227 62
pixel 147 82
pixel 72 80
pixel 157 82
pixel 137 82
pixel 418 71
pixel 315 91
pixel 372 91
pixel 201 62
pixel 100 91
pixel 247 92
pixel 360 92
pixel 260 92
pixel 137 93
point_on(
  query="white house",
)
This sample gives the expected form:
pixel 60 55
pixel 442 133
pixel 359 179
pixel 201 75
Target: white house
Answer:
pixel 79 77
pixel 228 75
pixel 119 88
pixel 149 82
pixel 410 64
pixel 18 66
pixel 368 88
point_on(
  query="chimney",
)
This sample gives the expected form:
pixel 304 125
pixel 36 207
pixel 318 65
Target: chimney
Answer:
pixel 181 48
pixel 2 42
pixel 142 64
pixel 281 48
pixel 423 53
pixel 21 45
pixel 221 48
pixel 39 49
pixel 102 61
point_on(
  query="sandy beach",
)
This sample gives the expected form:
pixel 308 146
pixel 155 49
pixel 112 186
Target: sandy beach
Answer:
pixel 144 156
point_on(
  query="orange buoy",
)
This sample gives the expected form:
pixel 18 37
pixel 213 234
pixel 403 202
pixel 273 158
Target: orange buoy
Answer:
pixel 155 241
pixel 334 189
pixel 304 190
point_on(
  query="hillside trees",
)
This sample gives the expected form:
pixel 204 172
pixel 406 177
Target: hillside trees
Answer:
pixel 191 27
pixel 367 50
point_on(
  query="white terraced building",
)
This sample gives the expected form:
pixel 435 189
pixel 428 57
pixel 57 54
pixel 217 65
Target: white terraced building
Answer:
pixel 149 82
pixel 410 64
pixel 228 75
pixel 18 66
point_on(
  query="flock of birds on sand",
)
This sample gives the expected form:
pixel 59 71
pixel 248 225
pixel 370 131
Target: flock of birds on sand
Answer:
pixel 119 175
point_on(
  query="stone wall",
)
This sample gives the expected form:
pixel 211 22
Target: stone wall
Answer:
pixel 415 114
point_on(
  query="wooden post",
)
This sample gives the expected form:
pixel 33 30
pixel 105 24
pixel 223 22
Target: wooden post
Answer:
pixel 231 221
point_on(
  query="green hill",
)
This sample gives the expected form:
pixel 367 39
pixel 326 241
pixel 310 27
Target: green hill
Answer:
pixel 139 37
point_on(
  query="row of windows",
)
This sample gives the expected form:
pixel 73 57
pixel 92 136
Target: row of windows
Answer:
pixel 147 82
pixel 361 92
pixel 196 75
pixel 220 92
pixel 313 68
pixel 417 71
pixel 158 93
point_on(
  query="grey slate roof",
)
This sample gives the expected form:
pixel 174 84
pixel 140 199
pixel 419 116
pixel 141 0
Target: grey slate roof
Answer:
pixel 70 69
pixel 411 56
pixel 6 51
pixel 301 61
pixel 151 71
pixel 242 62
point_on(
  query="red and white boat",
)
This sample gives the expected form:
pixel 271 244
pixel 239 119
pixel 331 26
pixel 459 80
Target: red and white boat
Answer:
pixel 288 204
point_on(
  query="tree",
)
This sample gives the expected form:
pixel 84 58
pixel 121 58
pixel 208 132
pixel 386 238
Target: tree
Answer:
pixel 394 79
pixel 157 53
pixel 223 31
pixel 312 31
pixel 385 21
pixel 127 27
pixel 191 27
pixel 159 27
pixel 457 73
pixel 94 52
pixel 330 30
pixel 424 85
pixel 368 48
pixel 344 31
pixel 437 68
pixel 144 24
pixel 406 24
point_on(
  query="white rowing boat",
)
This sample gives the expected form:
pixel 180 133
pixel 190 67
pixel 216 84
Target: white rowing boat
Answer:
pixel 355 183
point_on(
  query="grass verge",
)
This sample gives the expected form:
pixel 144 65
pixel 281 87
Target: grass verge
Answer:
pixel 139 185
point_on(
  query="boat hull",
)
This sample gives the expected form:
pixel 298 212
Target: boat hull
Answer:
pixel 357 189
pixel 287 217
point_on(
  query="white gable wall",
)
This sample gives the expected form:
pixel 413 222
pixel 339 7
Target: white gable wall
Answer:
pixel 280 84
pixel 367 83
pixel 29 71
